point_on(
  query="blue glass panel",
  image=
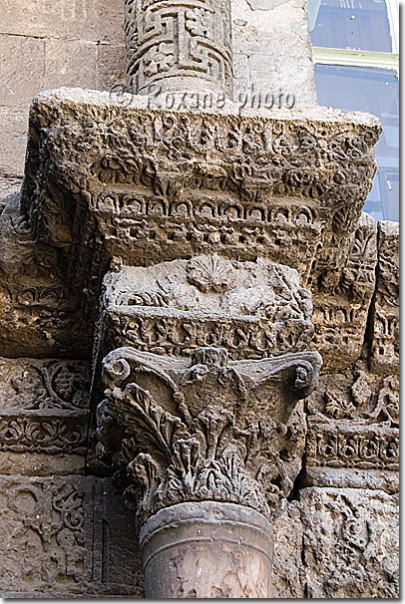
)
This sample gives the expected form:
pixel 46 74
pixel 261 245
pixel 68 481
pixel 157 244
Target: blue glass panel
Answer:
pixel 350 24
pixel 374 91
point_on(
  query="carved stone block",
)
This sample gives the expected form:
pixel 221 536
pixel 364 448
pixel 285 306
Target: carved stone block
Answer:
pixel 252 309
pixel 342 296
pixel 39 313
pixel 350 543
pixel 184 183
pixel 385 339
pixel 66 536
pixel 288 572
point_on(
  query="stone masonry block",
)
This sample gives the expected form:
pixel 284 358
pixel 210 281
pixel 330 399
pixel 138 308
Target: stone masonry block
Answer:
pixel 274 37
pixel 110 67
pixel 22 69
pixel 13 140
pixel 92 20
pixel 62 61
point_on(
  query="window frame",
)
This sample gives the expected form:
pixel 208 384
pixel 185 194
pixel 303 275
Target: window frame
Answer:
pixel 364 58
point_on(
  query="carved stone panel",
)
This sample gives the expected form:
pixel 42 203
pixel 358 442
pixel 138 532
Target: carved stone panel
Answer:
pixel 253 309
pixel 66 536
pixel 350 543
pixel 353 431
pixel 44 415
pixel 179 45
pixel 385 339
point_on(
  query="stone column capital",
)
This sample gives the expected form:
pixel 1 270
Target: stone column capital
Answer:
pixel 200 429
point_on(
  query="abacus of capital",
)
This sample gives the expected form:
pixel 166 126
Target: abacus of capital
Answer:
pixel 224 258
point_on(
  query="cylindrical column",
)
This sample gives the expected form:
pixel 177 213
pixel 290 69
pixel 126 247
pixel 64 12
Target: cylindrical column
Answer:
pixel 207 549
pixel 179 46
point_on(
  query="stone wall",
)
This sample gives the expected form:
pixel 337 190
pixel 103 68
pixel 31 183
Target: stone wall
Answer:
pixel 45 45
pixel 88 209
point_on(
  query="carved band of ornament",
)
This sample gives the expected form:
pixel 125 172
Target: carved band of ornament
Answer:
pixel 168 152
pixel 210 445
pixel 125 207
pixel 186 39
pixel 366 449
pixel 47 435
pixel 180 336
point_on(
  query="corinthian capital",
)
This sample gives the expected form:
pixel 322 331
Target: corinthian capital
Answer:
pixel 201 429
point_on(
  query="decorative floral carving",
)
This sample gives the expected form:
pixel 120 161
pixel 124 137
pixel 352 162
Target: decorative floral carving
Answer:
pixel 54 512
pixel 44 434
pixel 190 431
pixel 52 385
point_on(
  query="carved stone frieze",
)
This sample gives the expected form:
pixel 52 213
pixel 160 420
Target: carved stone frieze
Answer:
pixel 39 314
pixel 44 408
pixel 208 428
pixel 64 537
pixel 353 431
pixel 253 309
pixel 179 46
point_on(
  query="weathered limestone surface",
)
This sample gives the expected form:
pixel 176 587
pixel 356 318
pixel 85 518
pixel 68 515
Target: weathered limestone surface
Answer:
pixel 338 543
pixel 169 281
pixel 215 550
pixel 66 536
pixel 272 52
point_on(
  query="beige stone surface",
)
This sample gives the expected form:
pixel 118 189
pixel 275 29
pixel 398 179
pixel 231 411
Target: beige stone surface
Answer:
pixel 91 20
pixel 46 44
pixel 62 58
pixel 13 141
pixel 273 38
pixel 22 69
pixel 110 67
pixel 110 182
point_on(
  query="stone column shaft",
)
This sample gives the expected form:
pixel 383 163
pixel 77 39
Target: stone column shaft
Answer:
pixel 207 549
pixel 179 46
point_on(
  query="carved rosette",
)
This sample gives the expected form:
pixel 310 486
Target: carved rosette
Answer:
pixel 207 429
pixel 179 45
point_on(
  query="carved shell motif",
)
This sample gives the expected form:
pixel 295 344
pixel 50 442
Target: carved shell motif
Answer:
pixel 211 273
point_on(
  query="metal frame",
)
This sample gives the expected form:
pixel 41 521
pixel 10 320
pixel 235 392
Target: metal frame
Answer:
pixel 363 58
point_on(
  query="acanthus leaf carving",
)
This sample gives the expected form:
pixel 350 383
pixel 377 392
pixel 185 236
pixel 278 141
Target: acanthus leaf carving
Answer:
pixel 188 431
